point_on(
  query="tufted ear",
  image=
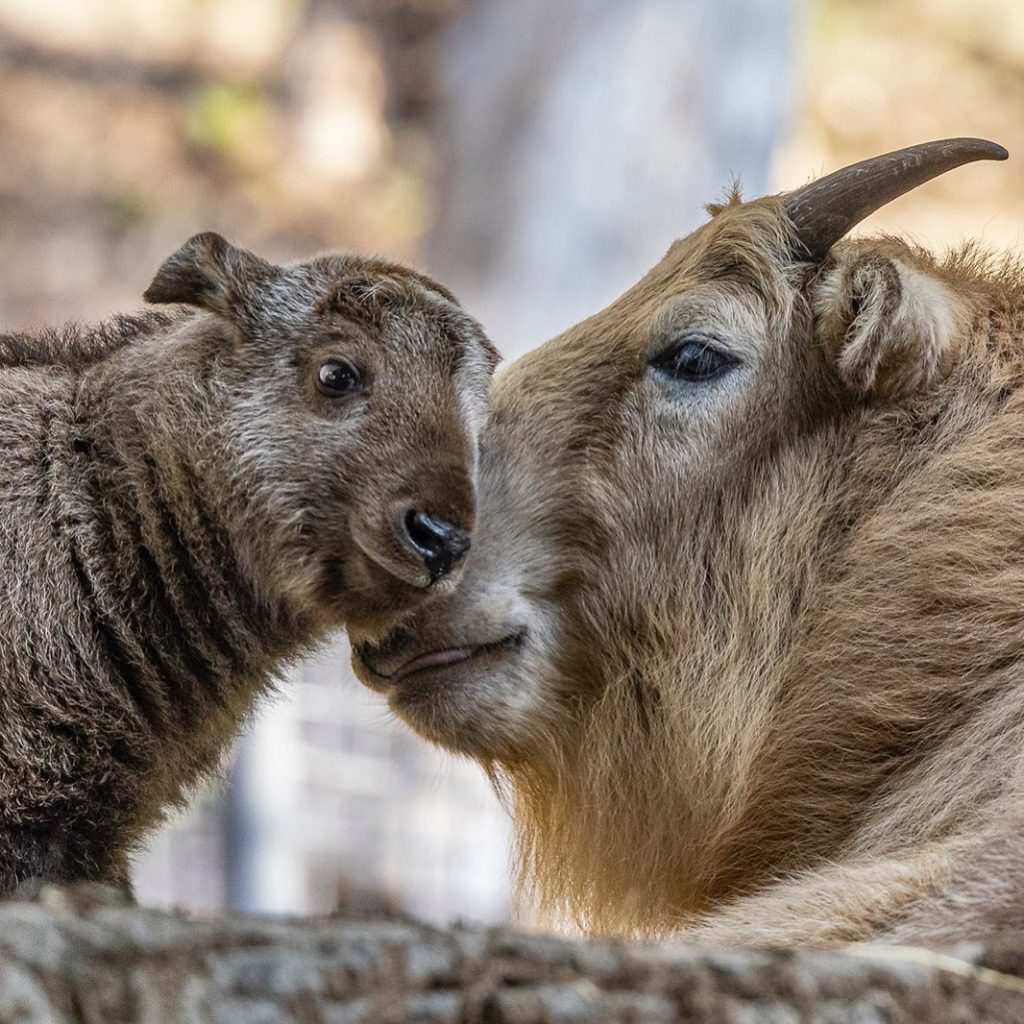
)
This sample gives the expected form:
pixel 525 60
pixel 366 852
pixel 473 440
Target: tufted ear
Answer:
pixel 209 272
pixel 892 327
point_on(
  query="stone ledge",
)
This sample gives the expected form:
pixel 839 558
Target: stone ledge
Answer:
pixel 73 957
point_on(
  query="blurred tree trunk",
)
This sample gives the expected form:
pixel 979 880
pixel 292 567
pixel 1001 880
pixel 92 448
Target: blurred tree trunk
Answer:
pixel 75 959
pixel 583 137
pixel 263 865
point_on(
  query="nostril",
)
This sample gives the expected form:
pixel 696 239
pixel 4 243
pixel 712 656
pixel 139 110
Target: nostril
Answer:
pixel 423 532
pixel 440 544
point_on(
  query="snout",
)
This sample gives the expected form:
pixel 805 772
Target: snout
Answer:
pixel 440 544
pixel 420 533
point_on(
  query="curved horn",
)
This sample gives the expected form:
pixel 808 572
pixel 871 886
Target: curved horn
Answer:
pixel 823 211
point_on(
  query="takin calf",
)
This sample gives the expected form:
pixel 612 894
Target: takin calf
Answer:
pixel 742 632
pixel 190 501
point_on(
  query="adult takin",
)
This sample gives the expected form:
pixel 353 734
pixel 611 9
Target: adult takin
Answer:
pixel 190 500
pixel 742 631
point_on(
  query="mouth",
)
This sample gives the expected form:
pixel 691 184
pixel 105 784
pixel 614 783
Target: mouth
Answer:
pixel 433 663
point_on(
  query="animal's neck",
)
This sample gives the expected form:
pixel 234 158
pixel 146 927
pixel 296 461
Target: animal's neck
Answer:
pixel 835 676
pixel 73 347
pixel 185 630
pixel 690 779
pixel 902 699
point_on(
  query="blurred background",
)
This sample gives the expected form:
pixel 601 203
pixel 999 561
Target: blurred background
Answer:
pixel 538 156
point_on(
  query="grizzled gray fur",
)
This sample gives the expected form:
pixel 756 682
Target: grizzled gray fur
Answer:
pixel 189 501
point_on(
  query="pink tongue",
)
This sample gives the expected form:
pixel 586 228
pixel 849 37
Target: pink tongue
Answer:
pixel 436 659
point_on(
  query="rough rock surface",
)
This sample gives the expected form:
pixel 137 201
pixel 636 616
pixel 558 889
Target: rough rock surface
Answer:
pixel 81 957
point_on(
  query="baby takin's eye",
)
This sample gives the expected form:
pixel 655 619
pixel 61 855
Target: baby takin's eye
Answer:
pixel 338 378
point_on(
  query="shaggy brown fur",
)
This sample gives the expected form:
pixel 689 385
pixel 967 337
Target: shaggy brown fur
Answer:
pixel 183 511
pixel 747 653
pixel 77 345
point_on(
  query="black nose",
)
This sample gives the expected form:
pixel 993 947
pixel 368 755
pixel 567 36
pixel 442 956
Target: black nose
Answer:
pixel 439 544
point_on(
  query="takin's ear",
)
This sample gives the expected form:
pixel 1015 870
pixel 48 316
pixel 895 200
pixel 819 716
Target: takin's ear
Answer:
pixel 891 328
pixel 209 272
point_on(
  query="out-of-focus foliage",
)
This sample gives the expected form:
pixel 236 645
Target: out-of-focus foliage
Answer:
pixel 878 75
pixel 291 125
pixel 299 124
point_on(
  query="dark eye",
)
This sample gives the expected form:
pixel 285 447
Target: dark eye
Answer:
pixel 693 361
pixel 335 378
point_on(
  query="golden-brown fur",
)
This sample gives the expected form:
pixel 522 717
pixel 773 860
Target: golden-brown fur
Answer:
pixel 747 656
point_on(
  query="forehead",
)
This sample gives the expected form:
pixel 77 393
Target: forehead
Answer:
pixel 377 293
pixel 397 305
pixel 719 274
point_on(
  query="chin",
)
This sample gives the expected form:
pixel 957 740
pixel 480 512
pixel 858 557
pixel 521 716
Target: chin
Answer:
pixel 478 702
